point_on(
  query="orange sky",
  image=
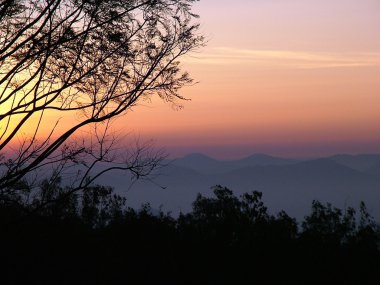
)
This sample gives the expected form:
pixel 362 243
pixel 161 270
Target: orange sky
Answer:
pixel 284 77
pixel 291 78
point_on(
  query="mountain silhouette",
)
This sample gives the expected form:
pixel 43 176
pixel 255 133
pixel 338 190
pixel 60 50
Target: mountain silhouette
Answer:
pixel 286 184
pixel 361 162
pixel 206 165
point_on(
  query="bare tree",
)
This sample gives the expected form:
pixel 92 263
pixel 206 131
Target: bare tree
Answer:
pixel 91 59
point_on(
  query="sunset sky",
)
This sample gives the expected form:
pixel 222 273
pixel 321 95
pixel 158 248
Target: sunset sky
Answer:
pixel 294 78
pixel 284 77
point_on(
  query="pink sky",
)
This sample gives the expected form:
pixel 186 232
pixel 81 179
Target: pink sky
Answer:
pixel 285 77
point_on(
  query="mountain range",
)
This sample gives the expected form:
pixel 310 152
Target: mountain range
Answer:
pixel 286 184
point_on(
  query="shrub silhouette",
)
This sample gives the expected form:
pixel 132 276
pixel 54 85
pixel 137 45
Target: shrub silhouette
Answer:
pixel 94 238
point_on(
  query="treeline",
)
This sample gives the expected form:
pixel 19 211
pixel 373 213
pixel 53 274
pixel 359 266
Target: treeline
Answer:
pixel 92 237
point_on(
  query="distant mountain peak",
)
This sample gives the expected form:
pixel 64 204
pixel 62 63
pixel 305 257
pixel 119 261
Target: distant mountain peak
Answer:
pixel 265 159
pixel 197 155
pixel 260 155
pixel 361 162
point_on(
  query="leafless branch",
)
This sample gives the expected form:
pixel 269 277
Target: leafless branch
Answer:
pixel 90 59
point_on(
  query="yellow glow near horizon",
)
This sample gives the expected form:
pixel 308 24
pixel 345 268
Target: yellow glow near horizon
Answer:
pixel 300 74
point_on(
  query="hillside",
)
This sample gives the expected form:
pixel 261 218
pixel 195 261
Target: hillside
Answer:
pixel 286 184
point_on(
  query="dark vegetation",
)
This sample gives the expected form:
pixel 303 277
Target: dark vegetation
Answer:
pixel 92 60
pixel 97 60
pixel 92 237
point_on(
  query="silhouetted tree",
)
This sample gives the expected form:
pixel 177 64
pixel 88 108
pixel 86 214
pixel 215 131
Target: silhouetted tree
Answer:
pixel 90 59
pixel 329 224
pixel 94 238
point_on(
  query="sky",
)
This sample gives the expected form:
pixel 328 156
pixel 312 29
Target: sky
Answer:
pixel 294 78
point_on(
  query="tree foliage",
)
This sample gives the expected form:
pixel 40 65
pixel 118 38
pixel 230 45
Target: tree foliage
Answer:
pixel 92 60
pixel 93 237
